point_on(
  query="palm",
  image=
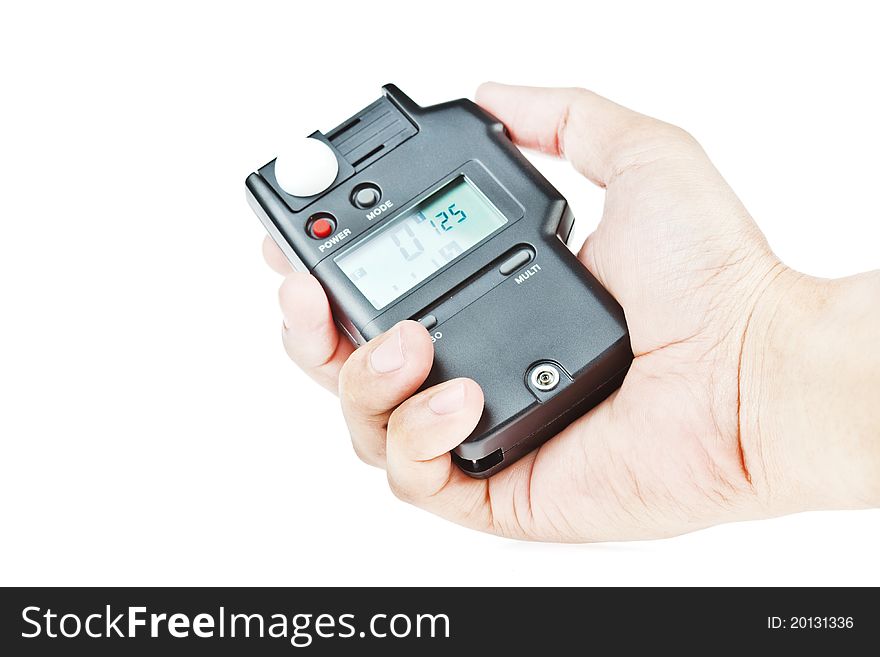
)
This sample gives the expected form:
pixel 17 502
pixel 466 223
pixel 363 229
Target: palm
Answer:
pixel 665 448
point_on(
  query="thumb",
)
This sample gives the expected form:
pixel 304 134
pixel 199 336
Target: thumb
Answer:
pixel 600 138
pixel 420 434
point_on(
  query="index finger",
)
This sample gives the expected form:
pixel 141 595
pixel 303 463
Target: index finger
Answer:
pixel 274 257
pixel 310 335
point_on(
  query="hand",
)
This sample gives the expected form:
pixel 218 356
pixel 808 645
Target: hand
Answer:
pixel 680 446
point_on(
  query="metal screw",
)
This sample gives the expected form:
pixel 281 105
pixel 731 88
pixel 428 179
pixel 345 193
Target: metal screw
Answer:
pixel 545 377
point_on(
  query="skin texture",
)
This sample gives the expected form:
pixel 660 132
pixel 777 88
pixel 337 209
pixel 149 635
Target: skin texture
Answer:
pixel 720 416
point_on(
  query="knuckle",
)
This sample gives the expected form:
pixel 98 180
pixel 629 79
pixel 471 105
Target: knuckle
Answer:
pixel 362 456
pixel 344 376
pixel 676 135
pixel 403 430
pixel 401 491
pixel 582 95
pixel 399 426
pixel 346 384
pixel 579 99
pixel 666 136
pixel 647 141
pixel 352 370
pixel 365 455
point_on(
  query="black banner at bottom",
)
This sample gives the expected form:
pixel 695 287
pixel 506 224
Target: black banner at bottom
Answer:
pixel 333 621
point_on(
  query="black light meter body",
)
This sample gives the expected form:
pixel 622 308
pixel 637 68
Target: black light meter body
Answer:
pixel 432 214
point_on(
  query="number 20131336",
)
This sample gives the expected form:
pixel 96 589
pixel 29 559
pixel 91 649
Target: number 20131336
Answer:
pixel 810 622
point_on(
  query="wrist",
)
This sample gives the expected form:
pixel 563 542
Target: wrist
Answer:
pixel 809 387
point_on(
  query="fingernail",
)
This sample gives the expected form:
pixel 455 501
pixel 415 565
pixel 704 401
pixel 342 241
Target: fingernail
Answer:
pixel 388 356
pixel 448 400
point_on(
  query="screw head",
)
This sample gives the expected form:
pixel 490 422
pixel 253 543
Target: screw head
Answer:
pixel 544 377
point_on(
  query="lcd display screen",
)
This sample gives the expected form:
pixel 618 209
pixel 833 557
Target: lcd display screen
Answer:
pixel 422 240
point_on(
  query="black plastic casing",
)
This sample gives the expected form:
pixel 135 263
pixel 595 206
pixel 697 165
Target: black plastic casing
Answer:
pixel 490 327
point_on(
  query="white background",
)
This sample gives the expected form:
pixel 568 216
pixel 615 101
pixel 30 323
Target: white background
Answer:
pixel 153 431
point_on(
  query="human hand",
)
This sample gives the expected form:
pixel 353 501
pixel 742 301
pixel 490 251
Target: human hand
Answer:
pixel 680 445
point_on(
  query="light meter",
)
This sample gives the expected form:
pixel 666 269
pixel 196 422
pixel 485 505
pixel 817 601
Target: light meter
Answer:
pixel 432 214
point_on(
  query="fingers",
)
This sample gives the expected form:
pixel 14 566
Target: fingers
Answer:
pixel 274 257
pixel 310 336
pixel 599 137
pixel 377 378
pixel 421 432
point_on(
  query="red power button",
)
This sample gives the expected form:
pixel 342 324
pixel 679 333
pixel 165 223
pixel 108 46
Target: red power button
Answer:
pixel 322 228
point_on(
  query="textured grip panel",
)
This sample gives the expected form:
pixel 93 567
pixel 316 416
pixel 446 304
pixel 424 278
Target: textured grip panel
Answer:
pixel 371 133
